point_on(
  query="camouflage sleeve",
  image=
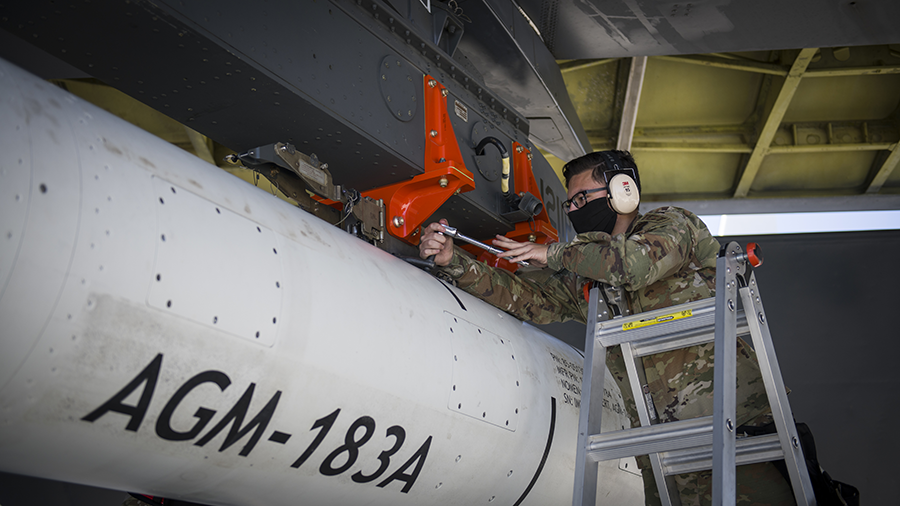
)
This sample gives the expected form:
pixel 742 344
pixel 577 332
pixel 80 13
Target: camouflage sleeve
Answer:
pixel 547 302
pixel 659 248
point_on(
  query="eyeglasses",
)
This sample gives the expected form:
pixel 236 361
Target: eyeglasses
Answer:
pixel 579 199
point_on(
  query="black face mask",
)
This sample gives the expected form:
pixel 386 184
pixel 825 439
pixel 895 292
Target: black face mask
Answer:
pixel 595 216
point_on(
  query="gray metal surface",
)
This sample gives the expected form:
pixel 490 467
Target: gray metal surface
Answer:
pixel 604 29
pixel 728 267
pixel 315 74
pixel 285 60
pixel 513 61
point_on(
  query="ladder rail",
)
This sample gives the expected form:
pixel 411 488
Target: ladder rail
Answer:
pixel 725 378
pixel 668 491
pixel 590 414
pixel 775 389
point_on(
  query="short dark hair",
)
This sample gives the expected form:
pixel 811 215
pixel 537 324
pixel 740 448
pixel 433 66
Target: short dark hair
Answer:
pixel 595 162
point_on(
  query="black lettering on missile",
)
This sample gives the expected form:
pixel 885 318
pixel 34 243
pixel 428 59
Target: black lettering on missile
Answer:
pixel 552 203
pixel 410 479
pixel 324 422
pixel 279 437
pixel 351 446
pixel 149 375
pixel 340 460
pixel 385 456
pixel 164 422
pixel 236 417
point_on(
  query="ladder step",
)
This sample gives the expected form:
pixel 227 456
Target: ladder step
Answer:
pixel 663 437
pixel 748 450
pixel 666 329
pixel 684 446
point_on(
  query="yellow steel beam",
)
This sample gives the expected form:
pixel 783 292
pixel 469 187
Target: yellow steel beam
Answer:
pixel 886 169
pixel 670 131
pixel 201 145
pixel 632 99
pixel 583 64
pixel 692 147
pixel 791 82
pixel 854 71
pixel 830 148
pixel 713 147
pixel 725 63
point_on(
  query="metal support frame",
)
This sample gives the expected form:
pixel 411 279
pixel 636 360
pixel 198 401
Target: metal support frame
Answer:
pixel 632 99
pixel 694 444
pixel 791 83
pixel 410 203
pixel 887 168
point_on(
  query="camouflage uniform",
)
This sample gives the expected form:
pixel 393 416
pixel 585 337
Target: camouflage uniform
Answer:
pixel 667 257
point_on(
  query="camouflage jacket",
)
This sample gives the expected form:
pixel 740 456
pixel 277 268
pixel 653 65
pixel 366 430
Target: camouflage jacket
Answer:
pixel 667 257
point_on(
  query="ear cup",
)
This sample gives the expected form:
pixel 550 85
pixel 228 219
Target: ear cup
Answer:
pixel 624 197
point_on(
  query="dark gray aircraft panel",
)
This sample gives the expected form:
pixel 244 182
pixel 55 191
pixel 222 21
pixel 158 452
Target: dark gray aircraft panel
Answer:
pixel 617 28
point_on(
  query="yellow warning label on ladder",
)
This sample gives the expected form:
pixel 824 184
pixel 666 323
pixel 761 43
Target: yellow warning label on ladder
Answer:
pixel 659 319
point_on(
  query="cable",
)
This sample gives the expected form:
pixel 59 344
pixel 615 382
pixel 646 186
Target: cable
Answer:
pixel 504 154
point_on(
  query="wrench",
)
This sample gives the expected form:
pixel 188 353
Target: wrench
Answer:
pixel 454 233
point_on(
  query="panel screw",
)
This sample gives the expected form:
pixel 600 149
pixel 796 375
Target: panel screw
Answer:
pixel 519 149
pixel 530 156
pixel 444 92
pixel 432 83
pixel 398 221
pixel 443 182
pixel 532 238
pixel 434 133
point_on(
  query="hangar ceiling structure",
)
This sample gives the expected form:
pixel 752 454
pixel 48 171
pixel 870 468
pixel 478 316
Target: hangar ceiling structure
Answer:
pixel 782 124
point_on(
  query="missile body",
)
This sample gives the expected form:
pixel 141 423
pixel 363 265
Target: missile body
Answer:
pixel 166 328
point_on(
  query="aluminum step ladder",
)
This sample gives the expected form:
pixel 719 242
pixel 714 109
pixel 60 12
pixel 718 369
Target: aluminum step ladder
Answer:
pixel 695 444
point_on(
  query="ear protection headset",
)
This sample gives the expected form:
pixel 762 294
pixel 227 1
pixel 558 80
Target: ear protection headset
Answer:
pixel 623 192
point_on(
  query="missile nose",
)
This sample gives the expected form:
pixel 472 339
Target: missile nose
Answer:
pixel 38 211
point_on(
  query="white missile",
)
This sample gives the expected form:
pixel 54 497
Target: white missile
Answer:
pixel 168 329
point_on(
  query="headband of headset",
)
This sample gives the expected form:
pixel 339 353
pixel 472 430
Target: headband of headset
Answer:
pixel 622 189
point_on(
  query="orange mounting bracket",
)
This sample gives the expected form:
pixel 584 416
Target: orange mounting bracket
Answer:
pixel 539 230
pixel 409 203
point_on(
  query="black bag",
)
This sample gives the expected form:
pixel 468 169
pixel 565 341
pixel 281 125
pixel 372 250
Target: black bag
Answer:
pixel 828 492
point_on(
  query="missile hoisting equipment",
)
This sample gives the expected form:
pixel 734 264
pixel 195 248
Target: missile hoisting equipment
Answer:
pixel 693 444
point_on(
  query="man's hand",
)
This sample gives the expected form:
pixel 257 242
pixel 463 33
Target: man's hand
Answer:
pixel 434 242
pixel 535 253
